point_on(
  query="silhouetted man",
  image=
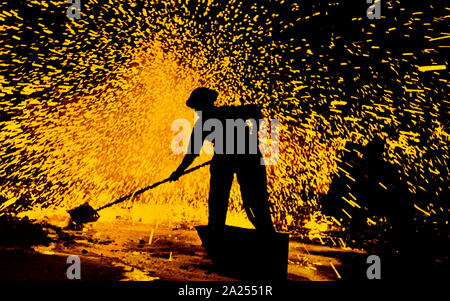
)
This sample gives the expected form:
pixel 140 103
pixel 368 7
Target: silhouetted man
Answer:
pixel 236 151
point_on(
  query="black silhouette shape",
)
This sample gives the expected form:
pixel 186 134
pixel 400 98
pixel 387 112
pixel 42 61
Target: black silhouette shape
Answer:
pixel 408 246
pixel 246 254
pixel 233 154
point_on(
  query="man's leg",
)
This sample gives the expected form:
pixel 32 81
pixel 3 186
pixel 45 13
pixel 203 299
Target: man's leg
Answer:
pixel 219 192
pixel 251 176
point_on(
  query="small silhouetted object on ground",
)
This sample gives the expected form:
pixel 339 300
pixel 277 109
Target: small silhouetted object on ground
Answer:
pixel 21 232
pixel 245 253
pixel 84 214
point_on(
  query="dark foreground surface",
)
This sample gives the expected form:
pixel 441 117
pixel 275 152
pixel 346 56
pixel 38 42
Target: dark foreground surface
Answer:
pixel 143 252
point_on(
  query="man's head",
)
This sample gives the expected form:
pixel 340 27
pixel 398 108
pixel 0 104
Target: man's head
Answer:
pixel 202 98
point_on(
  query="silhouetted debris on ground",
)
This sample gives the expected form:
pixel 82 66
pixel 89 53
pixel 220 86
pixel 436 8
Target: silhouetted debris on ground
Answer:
pixel 21 232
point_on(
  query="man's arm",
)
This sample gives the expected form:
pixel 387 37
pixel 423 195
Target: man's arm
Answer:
pixel 194 149
pixel 187 160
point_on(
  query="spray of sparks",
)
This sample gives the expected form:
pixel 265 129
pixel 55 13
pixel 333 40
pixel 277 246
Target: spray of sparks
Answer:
pixel 87 104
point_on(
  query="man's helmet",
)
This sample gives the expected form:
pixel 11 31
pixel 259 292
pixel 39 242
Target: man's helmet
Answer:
pixel 202 98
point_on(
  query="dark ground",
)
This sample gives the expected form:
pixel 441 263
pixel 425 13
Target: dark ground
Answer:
pixel 121 251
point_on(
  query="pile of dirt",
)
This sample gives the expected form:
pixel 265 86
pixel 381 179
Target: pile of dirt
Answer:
pixel 21 232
